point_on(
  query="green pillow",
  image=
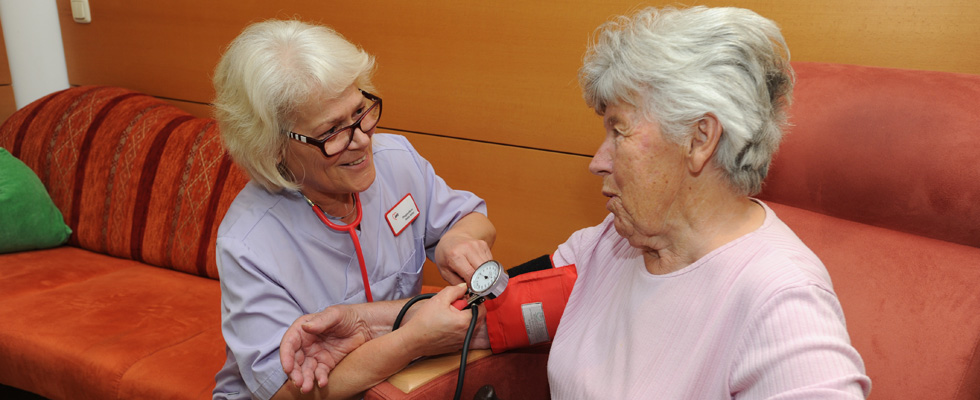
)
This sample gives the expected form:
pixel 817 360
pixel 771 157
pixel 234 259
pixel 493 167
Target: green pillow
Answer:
pixel 28 218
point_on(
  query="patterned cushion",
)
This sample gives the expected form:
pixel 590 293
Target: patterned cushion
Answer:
pixel 134 176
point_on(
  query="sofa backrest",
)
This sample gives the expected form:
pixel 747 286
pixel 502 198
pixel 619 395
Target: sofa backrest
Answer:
pixel 886 147
pixel 134 176
pixel 891 153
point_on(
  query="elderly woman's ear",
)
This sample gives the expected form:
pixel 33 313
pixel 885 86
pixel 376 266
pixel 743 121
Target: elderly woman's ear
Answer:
pixel 704 142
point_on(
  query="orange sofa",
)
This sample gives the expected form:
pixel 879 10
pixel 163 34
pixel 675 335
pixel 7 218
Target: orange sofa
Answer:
pixel 878 176
pixel 130 307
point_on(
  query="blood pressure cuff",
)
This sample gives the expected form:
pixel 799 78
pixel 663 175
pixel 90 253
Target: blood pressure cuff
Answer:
pixel 528 310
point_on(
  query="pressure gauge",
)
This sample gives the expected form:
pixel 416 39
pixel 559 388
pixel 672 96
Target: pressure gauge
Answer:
pixel 488 282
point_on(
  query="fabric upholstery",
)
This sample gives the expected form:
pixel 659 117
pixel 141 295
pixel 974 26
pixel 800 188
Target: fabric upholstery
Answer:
pixel 895 149
pixel 86 335
pixel 135 177
pixel 887 147
pixel 144 186
pixel 28 218
pixel 910 302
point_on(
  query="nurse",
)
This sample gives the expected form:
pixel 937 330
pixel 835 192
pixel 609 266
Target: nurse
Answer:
pixel 334 213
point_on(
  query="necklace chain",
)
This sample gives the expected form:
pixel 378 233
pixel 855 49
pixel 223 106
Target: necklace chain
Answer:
pixel 350 208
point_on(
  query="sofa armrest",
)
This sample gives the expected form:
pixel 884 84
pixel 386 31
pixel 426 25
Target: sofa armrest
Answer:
pixel 516 374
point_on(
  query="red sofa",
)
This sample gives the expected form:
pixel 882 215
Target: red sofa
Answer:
pixel 877 176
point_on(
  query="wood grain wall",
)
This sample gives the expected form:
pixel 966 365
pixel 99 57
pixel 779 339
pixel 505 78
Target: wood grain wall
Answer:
pixel 7 105
pixel 487 90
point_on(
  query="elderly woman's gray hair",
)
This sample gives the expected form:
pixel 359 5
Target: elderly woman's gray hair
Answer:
pixel 266 73
pixel 677 65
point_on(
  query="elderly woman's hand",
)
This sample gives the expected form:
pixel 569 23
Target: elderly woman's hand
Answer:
pixel 315 343
pixel 464 247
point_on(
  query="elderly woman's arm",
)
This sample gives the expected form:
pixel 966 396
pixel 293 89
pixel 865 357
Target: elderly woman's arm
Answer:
pixel 797 347
pixel 317 345
pixel 464 247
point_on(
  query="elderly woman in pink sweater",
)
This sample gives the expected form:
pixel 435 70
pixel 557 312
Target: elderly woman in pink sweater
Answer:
pixel 690 288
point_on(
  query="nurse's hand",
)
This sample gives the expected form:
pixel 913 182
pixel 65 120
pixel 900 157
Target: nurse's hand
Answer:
pixel 315 343
pixel 437 327
pixel 464 248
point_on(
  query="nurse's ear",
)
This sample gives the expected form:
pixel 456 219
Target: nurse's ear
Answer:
pixel 282 168
pixel 703 142
pixel 284 172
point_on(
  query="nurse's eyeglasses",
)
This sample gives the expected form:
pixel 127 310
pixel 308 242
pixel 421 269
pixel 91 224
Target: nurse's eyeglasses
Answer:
pixel 334 142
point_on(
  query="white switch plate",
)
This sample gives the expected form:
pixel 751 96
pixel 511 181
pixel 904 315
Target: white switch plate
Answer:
pixel 80 11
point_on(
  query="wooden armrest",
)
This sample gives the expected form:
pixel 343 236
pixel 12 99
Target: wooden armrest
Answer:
pixel 515 375
pixel 426 369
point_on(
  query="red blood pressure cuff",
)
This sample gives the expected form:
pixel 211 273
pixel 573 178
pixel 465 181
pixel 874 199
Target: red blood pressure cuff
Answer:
pixel 528 311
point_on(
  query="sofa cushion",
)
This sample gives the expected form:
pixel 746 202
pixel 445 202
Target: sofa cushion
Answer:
pixel 110 321
pixel 28 218
pixel 910 302
pixel 134 176
pixel 887 147
pixel 35 272
pixel 182 371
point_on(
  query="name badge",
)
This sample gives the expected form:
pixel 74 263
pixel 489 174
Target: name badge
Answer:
pixel 402 214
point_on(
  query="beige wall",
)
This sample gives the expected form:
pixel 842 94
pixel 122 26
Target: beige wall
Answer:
pixel 488 87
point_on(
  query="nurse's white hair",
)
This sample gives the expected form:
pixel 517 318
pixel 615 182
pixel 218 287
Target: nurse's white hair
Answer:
pixel 265 75
pixel 677 65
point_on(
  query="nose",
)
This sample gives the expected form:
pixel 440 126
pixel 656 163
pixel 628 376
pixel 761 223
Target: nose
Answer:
pixel 601 163
pixel 361 138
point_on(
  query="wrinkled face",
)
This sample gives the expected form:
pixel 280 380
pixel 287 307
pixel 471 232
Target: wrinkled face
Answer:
pixel 642 173
pixel 348 172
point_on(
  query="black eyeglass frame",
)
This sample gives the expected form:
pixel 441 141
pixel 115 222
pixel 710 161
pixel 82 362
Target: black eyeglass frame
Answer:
pixel 321 143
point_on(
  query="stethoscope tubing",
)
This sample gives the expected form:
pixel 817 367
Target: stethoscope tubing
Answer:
pixel 351 230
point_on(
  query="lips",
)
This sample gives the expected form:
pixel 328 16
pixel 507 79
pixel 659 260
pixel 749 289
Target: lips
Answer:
pixel 612 197
pixel 356 162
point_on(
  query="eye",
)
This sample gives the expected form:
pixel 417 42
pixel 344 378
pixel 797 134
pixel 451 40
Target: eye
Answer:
pixel 619 131
pixel 326 135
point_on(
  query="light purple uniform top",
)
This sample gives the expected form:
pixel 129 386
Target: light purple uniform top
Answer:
pixel 277 261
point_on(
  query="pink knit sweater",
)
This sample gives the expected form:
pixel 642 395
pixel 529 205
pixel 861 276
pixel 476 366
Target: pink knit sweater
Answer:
pixel 756 318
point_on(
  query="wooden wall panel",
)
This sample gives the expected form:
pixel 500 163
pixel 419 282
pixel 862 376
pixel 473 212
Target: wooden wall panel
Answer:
pixel 4 66
pixel 196 109
pixel 491 87
pixel 7 103
pixel 535 199
pixel 502 71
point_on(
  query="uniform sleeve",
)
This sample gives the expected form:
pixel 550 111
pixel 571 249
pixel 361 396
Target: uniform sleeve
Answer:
pixel 445 205
pixel 797 347
pixel 255 313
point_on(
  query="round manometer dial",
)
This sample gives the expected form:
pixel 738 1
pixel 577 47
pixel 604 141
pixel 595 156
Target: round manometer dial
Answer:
pixel 489 280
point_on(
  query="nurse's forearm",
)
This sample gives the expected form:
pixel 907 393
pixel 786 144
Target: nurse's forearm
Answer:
pixel 464 247
pixel 366 366
pixel 476 226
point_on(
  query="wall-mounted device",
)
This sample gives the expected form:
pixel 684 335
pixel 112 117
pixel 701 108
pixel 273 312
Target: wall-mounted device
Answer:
pixel 80 11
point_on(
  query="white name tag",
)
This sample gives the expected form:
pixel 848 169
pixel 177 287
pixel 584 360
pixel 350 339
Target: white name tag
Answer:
pixel 402 214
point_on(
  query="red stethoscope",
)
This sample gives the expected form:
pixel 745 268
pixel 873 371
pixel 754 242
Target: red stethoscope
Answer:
pixel 350 228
